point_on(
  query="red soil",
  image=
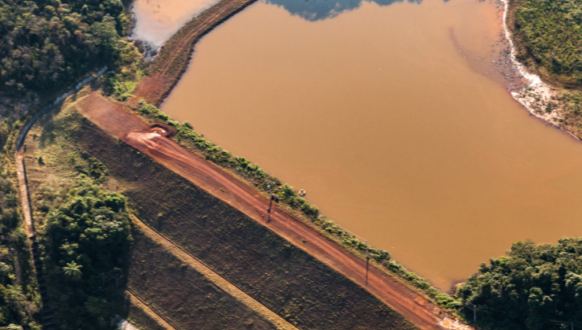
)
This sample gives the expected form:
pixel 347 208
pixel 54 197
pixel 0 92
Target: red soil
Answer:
pixel 129 128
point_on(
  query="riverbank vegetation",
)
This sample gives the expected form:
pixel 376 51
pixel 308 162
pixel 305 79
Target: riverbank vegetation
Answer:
pixel 550 35
pixel 547 35
pixel 533 287
pixel 291 201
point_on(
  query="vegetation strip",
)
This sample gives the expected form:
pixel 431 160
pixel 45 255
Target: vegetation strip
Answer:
pixel 229 287
pixel 292 202
pixel 47 313
pixel 240 195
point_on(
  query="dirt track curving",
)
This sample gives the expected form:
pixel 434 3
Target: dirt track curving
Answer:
pixel 129 128
pixel 174 57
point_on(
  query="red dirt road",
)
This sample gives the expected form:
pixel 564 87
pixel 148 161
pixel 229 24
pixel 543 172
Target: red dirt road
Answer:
pixel 129 128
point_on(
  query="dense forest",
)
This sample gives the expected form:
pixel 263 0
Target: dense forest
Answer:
pixel 533 287
pixel 86 240
pixel 552 34
pixel 45 43
pixel 19 301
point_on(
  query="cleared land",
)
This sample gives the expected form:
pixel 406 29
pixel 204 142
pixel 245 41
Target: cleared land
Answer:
pixel 211 276
pixel 186 297
pixel 161 211
pixel 180 293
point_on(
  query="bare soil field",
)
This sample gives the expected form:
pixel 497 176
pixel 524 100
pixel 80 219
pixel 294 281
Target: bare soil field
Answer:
pixel 181 294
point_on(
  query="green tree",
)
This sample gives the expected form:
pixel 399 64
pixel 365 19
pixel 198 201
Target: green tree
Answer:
pixel 73 270
pixel 530 286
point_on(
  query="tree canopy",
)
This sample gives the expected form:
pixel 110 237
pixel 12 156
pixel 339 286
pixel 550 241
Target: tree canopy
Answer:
pixel 86 240
pixel 49 42
pixel 533 287
pixel 552 33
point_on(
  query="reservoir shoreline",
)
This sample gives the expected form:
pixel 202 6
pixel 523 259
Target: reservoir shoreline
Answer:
pixel 167 69
pixel 169 65
pixel 190 105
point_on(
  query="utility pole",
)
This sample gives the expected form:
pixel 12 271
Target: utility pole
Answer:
pixel 270 203
pixel 271 198
pixel 367 262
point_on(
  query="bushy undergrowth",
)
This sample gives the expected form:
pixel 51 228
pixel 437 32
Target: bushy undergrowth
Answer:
pixel 121 84
pixel 552 33
pixel 85 239
pixel 287 195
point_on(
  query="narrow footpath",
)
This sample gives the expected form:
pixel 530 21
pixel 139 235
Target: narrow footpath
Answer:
pixel 47 315
pixel 126 126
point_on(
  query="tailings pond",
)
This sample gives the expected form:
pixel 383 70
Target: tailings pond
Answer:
pixel 392 116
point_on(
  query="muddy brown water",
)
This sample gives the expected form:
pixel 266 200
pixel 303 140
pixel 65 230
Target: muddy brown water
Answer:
pixel 384 112
pixel 158 20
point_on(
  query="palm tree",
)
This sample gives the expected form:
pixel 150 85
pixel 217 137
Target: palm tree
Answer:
pixel 73 270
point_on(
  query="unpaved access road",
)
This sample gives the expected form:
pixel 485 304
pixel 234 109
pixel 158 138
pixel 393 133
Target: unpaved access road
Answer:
pixel 126 126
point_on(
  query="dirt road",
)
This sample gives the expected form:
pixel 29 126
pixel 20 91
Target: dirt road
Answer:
pixel 130 129
pixel 24 197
